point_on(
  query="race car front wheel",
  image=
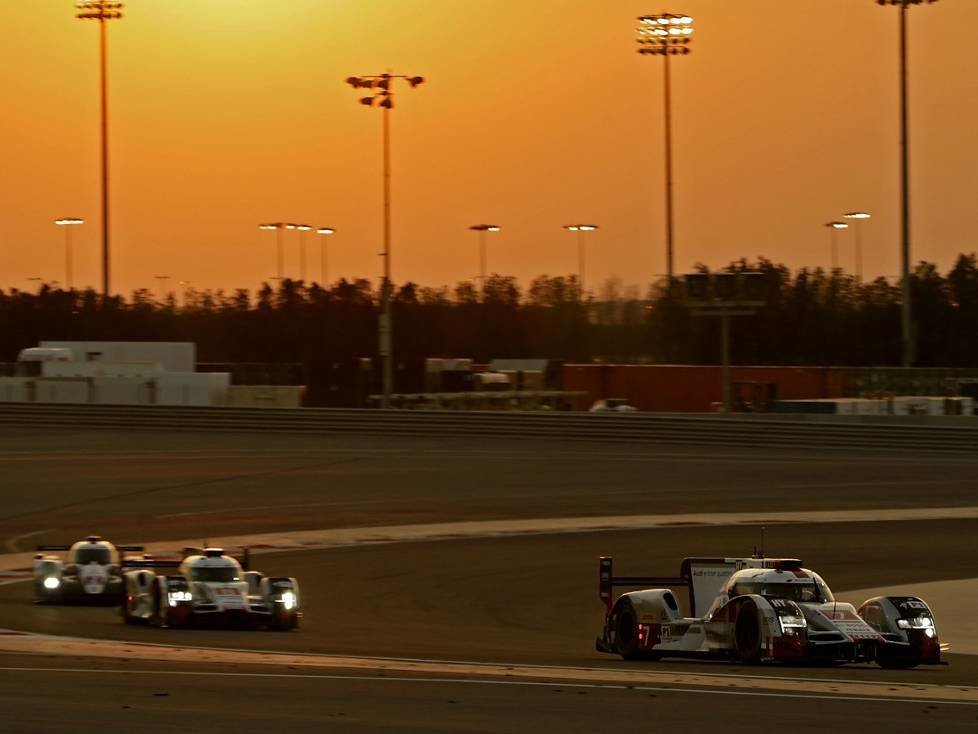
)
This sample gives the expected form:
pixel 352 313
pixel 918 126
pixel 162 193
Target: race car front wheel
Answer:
pixel 747 633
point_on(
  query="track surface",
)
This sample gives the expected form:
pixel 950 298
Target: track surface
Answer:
pixel 521 600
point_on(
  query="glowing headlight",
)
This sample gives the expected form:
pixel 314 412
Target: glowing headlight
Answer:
pixel 178 596
pixel 916 623
pixel 52 582
pixel 288 599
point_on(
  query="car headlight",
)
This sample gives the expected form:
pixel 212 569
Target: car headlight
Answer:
pixel 288 600
pixel 916 623
pixel 52 582
pixel 178 596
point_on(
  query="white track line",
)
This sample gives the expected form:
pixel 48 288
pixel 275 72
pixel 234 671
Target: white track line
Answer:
pixel 88 672
pixel 635 677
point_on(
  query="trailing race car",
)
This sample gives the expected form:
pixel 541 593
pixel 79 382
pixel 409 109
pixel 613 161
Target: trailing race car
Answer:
pixel 208 585
pixel 760 610
pixel 89 573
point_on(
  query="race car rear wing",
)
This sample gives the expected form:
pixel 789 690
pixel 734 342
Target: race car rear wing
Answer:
pixel 703 578
pixel 607 581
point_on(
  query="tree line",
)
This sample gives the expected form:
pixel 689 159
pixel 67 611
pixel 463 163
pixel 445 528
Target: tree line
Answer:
pixel 812 317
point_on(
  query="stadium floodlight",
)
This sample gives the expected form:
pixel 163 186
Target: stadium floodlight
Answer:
pixel 68 223
pixel 103 11
pixel 580 229
pixel 666 35
pixel 382 96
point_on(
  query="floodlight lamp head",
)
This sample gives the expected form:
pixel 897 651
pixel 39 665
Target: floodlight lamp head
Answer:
pixel 303 227
pixel 415 81
pixel 353 81
pixel 325 230
pixel 387 103
pixel 857 215
pixel 367 101
pixel 837 225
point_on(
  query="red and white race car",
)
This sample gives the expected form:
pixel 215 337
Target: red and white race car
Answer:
pixel 89 572
pixel 208 586
pixel 760 610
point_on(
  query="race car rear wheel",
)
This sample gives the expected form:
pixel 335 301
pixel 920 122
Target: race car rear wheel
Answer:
pixel 626 632
pixel 747 633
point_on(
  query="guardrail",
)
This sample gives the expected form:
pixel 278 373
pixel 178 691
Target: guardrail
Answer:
pixel 642 427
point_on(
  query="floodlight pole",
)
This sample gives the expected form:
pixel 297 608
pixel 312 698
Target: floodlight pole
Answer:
pixel 385 290
pixel 380 85
pixel 907 341
pixel 906 329
pixel 68 278
pixel 725 359
pixel 279 253
pixel 667 34
pixel 325 232
pixel 105 161
pixel 669 202
pixel 103 11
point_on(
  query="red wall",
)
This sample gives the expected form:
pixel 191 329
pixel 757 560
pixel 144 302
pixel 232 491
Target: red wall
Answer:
pixel 692 388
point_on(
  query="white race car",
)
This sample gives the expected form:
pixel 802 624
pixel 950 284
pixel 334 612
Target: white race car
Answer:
pixel 760 610
pixel 208 586
pixel 89 573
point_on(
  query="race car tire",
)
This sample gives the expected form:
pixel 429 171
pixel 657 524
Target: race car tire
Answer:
pixel 747 633
pixel 124 607
pixel 626 633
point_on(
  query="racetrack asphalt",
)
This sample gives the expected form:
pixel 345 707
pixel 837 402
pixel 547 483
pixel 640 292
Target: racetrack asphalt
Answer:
pixel 519 599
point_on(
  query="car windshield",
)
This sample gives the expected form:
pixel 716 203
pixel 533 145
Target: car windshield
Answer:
pixel 795 592
pixel 92 555
pixel 218 574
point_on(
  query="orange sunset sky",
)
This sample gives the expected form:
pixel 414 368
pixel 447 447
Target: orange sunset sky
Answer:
pixel 537 113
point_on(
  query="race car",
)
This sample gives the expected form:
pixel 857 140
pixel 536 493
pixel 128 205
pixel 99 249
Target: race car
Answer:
pixel 760 610
pixel 89 573
pixel 208 586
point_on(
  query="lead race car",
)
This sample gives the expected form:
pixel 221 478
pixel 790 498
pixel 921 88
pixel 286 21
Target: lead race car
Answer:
pixel 208 586
pixel 760 610
pixel 89 573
